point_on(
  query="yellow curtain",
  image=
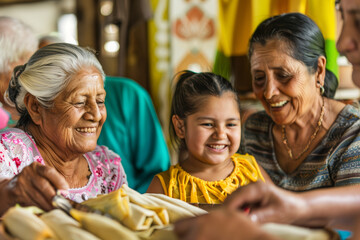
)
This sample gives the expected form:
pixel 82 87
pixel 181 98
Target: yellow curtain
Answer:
pixel 239 18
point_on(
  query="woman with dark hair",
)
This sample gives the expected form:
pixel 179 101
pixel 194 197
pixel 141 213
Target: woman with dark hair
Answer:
pixel 307 142
pixel 304 139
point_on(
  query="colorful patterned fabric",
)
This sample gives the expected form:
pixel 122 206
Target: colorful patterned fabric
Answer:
pixel 177 183
pixel 18 150
pixel 334 162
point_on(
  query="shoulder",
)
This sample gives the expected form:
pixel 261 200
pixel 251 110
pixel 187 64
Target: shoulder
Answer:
pixel 13 133
pixel 346 124
pixel 344 134
pixel 17 150
pixel 166 174
pixel 12 137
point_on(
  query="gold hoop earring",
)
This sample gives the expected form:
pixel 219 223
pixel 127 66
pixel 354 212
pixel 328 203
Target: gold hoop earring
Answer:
pixel 322 89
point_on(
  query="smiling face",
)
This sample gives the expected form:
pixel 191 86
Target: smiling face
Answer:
pixel 349 40
pixel 213 133
pixel 284 85
pixel 74 124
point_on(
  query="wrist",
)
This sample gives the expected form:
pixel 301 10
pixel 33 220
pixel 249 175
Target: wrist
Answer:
pixel 302 209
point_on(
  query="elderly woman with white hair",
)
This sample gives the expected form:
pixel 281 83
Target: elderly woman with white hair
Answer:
pixel 60 96
pixel 17 43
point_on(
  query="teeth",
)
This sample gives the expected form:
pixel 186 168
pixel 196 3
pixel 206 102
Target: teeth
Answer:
pixel 86 130
pixel 217 146
pixel 279 104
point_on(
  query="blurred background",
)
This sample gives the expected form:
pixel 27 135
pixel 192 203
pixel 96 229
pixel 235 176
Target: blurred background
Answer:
pixel 151 40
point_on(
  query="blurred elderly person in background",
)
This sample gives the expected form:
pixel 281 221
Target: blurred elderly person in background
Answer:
pixel 60 96
pixel 17 43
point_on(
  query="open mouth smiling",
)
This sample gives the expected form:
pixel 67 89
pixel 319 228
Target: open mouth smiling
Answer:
pixel 86 130
pixel 217 147
pixel 278 104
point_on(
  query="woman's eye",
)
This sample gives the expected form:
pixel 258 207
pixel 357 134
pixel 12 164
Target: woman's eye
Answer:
pixel 100 103
pixel 79 104
pixel 283 76
pixel 206 124
pixel 232 124
pixel 259 80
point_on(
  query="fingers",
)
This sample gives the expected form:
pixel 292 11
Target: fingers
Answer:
pixel 247 196
pixel 183 227
pixel 222 223
pixel 52 176
pixel 37 185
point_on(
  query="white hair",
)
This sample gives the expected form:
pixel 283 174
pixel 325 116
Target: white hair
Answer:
pixel 48 72
pixel 17 41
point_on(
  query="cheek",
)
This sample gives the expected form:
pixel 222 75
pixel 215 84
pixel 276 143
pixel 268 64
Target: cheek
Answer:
pixel 258 91
pixel 103 113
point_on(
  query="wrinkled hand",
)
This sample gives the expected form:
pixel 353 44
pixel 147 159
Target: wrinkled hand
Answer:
pixel 267 202
pixel 36 185
pixel 220 224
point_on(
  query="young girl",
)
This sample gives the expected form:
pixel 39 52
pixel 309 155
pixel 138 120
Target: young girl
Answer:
pixel 205 116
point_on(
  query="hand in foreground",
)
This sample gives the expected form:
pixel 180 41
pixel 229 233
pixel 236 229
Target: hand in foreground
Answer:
pixel 35 185
pixel 267 202
pixel 222 223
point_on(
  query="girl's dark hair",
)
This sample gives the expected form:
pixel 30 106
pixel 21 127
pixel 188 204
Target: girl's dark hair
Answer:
pixel 305 42
pixel 190 91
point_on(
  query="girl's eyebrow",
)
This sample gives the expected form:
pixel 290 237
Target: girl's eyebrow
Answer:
pixel 209 118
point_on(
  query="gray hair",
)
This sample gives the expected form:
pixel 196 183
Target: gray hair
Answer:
pixel 46 75
pixel 17 41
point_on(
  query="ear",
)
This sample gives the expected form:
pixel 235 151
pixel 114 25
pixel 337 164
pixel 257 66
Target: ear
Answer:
pixel 178 126
pixel 321 70
pixel 33 107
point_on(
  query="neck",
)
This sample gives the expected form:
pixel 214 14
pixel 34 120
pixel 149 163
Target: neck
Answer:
pixel 206 171
pixel 303 136
pixel 310 119
pixel 65 163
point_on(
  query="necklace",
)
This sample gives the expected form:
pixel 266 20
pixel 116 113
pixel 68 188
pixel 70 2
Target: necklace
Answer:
pixel 285 140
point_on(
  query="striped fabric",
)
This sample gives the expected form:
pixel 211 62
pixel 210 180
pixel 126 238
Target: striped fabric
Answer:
pixel 334 162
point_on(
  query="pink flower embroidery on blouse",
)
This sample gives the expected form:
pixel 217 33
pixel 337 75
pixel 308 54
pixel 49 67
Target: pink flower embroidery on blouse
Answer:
pixel 17 161
pixel 99 172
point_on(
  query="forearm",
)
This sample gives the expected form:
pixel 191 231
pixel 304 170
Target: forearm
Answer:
pixel 329 206
pixel 6 199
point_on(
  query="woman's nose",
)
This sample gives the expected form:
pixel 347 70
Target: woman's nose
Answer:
pixel 271 88
pixel 346 42
pixel 93 112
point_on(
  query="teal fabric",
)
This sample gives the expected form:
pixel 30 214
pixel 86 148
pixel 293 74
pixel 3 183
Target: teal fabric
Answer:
pixel 133 131
pixel 343 234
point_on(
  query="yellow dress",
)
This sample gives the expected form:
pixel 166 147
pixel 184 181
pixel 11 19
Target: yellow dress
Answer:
pixel 177 183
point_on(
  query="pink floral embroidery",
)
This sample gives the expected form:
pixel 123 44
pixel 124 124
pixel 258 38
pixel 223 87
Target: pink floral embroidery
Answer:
pixel 38 159
pixel 17 161
pixel 99 172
